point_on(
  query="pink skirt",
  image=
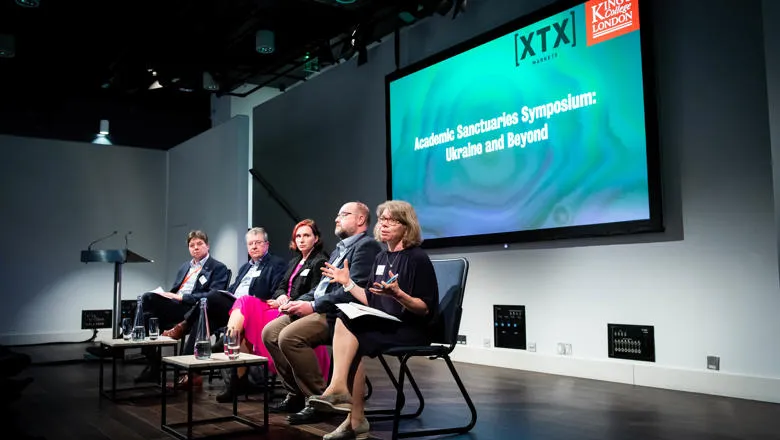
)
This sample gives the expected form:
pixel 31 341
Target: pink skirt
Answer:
pixel 257 314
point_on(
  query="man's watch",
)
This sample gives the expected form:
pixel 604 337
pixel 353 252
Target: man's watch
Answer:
pixel 349 286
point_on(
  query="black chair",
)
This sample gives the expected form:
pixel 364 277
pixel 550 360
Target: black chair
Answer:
pixel 451 277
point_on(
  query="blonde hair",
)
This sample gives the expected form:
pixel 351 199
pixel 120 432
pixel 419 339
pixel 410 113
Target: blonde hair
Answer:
pixel 404 213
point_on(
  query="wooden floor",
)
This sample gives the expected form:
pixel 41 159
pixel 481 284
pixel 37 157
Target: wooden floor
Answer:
pixel 63 403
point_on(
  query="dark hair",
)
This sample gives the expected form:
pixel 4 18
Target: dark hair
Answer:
pixel 197 234
pixel 314 229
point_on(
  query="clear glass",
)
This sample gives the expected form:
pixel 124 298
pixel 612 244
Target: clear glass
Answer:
pixel 232 344
pixel 154 328
pixel 127 329
pixel 139 330
pixel 203 336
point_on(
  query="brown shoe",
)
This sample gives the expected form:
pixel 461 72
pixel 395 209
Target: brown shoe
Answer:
pixel 177 332
pixel 186 381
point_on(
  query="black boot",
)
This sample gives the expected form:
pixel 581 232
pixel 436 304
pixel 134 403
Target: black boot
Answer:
pixel 242 387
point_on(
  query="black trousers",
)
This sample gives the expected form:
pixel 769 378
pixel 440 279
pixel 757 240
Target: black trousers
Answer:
pixel 218 307
pixel 167 311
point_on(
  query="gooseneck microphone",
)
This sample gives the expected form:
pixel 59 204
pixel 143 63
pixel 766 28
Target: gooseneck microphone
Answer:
pixel 89 248
pixel 127 235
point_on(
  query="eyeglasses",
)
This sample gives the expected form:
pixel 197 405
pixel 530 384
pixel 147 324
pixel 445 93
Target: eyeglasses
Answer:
pixel 389 221
pixel 256 242
pixel 343 214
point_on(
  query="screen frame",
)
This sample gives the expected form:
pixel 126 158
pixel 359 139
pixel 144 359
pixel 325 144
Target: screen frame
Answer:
pixel 652 225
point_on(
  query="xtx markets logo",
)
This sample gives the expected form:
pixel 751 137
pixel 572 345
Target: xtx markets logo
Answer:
pixel 542 44
pixel 610 18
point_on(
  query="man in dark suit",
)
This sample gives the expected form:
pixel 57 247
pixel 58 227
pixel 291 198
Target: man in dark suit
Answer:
pixel 194 279
pixel 291 338
pixel 257 277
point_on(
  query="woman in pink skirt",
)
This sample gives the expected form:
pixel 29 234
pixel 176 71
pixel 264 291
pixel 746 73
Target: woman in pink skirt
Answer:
pixel 250 314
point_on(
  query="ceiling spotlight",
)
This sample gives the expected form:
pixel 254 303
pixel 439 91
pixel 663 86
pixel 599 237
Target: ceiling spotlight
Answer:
pixel 264 41
pixel 103 127
pixel 28 3
pixel 155 85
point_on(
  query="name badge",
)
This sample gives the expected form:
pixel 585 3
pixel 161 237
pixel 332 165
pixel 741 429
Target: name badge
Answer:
pixel 305 272
pixel 202 279
pixel 380 270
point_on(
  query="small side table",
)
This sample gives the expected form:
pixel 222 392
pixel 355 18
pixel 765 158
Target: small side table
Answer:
pixel 217 360
pixel 118 346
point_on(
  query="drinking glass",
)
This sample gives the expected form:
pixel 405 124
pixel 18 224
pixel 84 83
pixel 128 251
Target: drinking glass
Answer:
pixel 232 344
pixel 154 328
pixel 127 329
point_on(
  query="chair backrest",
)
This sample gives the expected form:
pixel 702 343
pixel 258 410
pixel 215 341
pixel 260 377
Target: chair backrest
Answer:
pixel 451 276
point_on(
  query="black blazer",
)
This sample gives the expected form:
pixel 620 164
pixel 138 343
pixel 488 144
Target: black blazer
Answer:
pixel 271 271
pixel 213 276
pixel 302 283
pixel 361 258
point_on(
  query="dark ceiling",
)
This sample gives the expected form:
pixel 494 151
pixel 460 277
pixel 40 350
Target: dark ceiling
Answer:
pixel 69 64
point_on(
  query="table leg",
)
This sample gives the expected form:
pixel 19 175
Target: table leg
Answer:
pixel 266 396
pixel 189 405
pixel 100 385
pixel 234 389
pixel 163 410
pixel 113 372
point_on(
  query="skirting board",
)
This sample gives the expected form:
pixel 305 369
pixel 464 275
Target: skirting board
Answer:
pixel 717 383
pixel 43 338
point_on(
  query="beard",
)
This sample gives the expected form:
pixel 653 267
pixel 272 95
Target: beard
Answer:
pixel 341 233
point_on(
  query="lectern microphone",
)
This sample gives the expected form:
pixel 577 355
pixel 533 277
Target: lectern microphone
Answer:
pixel 89 248
pixel 127 235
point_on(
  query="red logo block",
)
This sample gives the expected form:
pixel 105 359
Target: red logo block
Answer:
pixel 607 19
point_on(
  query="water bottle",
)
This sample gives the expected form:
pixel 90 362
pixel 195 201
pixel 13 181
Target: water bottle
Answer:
pixel 139 330
pixel 203 336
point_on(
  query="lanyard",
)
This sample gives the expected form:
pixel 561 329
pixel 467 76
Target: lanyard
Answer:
pixel 189 275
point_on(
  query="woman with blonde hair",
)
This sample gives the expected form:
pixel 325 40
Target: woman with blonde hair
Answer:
pixel 413 297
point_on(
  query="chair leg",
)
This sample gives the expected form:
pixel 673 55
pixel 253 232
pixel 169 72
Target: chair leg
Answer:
pixel 387 414
pixel 369 389
pixel 444 431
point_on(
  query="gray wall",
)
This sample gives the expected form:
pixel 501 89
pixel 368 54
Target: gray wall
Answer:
pixel 207 186
pixel 59 196
pixel 56 198
pixel 709 284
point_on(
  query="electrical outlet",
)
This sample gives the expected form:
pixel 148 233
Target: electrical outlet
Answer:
pixel 462 339
pixel 567 349
pixel 532 346
pixel 561 348
pixel 713 363
pixel 486 342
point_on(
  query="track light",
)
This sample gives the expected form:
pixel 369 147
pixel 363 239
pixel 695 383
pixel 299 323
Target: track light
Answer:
pixel 209 83
pixel 264 41
pixel 460 6
pixel 7 46
pixel 28 3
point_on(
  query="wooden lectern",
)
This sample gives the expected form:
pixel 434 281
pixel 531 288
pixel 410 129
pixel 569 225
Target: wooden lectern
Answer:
pixel 118 257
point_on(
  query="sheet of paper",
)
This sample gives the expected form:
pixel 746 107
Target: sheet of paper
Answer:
pixel 356 310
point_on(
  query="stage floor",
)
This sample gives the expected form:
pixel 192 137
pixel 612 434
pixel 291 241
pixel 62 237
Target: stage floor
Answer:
pixel 63 403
